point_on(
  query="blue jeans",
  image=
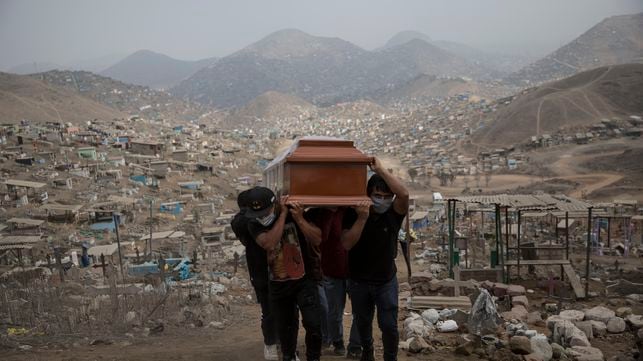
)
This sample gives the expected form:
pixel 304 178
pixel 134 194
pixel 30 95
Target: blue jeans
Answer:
pixel 336 290
pixel 365 298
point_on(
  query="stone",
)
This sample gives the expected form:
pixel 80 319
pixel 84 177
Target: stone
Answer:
pixel 572 315
pixel 623 312
pixel 516 313
pixel 586 327
pixel 520 300
pixel 217 325
pixel 130 317
pixel 535 319
pixel 431 315
pixel 531 333
pixel 435 285
pixel 516 290
pixel 551 307
pixel 635 321
pixel 599 313
pixel 520 345
pixel 599 329
pixel 25 347
pixel 541 347
pixel 580 353
pixel 465 346
pixel 616 325
pixel 418 345
pixel 447 326
pixel 552 321
pixel 500 289
pixel 567 334
pixel 557 351
pixel 533 357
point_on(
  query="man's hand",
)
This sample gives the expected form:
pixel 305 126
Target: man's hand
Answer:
pixel 362 209
pixel 297 211
pixel 377 166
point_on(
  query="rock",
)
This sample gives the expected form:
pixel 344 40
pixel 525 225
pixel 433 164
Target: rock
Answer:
pixel 432 316
pixel 551 307
pixel 516 313
pixel 534 318
pixel 25 347
pixel 483 318
pixel 586 327
pixel 99 341
pixel 599 329
pixel 130 317
pixel 572 315
pixel 639 335
pixel 599 313
pixel 541 347
pixel 533 357
pixel 516 290
pixel 500 289
pixel 520 300
pixel 552 321
pixel 418 345
pixel 461 318
pixel 465 347
pixel 531 333
pixel 567 334
pixel 557 351
pixel 446 314
pixel 435 285
pixel 616 325
pixel 580 353
pixel 623 312
pixel 520 345
pixel 635 321
pixel 216 324
pixel 447 326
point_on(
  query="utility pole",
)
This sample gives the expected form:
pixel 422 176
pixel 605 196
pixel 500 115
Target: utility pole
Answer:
pixel 151 222
pixel 117 219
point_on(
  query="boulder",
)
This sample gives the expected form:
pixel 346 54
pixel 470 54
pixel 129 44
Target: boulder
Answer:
pixel 520 345
pixel 465 346
pixel 541 347
pixel 520 301
pixel 599 313
pixel 516 313
pixel 567 334
pixel 552 321
pixel 586 327
pixel 500 289
pixel 635 321
pixel 616 325
pixel 580 353
pixel 516 290
pixel 557 351
pixel 534 318
pixel 431 315
pixel 551 307
pixel 598 328
pixel 623 312
pixel 533 357
pixel 572 315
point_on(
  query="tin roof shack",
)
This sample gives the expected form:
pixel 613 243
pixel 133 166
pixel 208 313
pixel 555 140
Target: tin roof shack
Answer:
pixel 20 191
pixel 146 147
pixel 159 168
pixel 180 154
pixel 13 247
pixel 25 226
pixel 107 251
pixel 168 243
pixel 88 153
pixel 65 213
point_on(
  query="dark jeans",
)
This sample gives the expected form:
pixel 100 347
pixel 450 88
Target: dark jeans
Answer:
pixel 268 325
pixel 336 290
pixel 289 295
pixel 323 309
pixel 365 298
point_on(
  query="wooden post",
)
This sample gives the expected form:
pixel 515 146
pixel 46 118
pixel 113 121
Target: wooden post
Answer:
pixel 518 244
pixel 162 269
pixel 609 232
pixel 507 231
pixel 59 264
pixel 116 217
pixel 236 263
pixel 102 264
pixel 589 247
pixel 138 256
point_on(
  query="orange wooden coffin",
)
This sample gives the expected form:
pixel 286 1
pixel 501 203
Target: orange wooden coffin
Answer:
pixel 320 171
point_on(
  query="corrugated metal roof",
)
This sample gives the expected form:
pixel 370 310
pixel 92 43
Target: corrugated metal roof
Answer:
pixel 26 184
pixel 19 239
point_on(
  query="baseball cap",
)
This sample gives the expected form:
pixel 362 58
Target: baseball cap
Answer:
pixel 242 199
pixel 260 199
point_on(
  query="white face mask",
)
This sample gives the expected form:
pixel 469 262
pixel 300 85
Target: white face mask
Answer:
pixel 381 205
pixel 267 220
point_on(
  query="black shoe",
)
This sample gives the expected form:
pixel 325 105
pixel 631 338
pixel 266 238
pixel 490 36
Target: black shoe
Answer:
pixel 354 354
pixel 338 348
pixel 367 355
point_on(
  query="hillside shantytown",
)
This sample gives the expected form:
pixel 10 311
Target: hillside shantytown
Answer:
pixel 522 239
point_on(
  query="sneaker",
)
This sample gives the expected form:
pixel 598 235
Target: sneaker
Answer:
pixel 367 355
pixel 338 348
pixel 270 352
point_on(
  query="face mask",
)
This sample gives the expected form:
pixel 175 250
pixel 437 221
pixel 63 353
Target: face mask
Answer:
pixel 267 220
pixel 381 205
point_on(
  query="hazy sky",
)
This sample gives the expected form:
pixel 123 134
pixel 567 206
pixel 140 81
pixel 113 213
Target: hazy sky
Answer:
pixel 67 31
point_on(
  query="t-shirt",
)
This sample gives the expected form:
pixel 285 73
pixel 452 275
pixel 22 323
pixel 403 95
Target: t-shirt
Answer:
pixel 255 255
pixel 292 258
pixel 334 257
pixel 372 259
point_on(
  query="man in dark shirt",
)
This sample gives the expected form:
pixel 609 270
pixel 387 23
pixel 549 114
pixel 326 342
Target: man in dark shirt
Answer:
pixel 288 239
pixel 370 235
pixel 258 271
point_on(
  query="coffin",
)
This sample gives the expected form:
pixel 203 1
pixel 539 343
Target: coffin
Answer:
pixel 320 171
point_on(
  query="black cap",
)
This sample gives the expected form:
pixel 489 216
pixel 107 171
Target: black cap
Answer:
pixel 242 199
pixel 260 199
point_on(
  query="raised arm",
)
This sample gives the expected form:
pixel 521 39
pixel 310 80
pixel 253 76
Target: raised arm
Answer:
pixel 268 240
pixel 351 236
pixel 312 233
pixel 401 204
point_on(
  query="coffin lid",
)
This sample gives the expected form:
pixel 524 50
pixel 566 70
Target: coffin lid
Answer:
pixel 321 149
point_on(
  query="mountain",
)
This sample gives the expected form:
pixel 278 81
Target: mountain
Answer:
pixel 96 64
pixel 577 101
pixel 320 70
pixel 404 37
pixel 155 70
pixel 615 40
pixel 23 97
pixel 35 67
pixel 127 98
pixel 425 88
pixel 270 106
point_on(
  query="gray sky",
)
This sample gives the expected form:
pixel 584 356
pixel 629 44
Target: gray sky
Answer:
pixel 68 31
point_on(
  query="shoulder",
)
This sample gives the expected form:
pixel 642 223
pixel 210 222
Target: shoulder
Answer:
pixel 349 218
pixel 255 228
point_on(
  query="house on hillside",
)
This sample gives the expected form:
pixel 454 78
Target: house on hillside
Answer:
pixel 146 147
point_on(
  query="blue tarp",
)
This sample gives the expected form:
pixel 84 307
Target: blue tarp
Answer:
pixel 101 226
